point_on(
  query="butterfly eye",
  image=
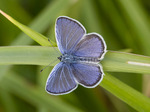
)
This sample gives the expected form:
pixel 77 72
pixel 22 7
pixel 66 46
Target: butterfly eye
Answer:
pixel 60 58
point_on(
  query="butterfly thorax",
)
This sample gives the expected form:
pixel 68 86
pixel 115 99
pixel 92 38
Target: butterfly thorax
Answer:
pixel 67 58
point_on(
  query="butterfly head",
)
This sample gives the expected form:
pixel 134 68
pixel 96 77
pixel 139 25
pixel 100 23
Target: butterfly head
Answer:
pixel 60 58
pixel 66 58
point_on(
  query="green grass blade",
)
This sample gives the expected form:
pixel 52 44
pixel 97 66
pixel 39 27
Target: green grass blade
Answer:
pixel 126 62
pixel 42 40
pixel 126 93
pixel 37 55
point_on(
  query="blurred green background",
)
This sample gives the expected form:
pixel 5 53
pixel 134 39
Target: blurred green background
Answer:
pixel 125 26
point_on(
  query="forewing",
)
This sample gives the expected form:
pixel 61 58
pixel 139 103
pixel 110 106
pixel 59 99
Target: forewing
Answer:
pixel 60 80
pixel 68 33
pixel 88 75
pixel 92 45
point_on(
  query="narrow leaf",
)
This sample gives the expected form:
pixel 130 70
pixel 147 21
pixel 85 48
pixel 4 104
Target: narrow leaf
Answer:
pixel 124 92
pixel 126 62
pixel 42 40
pixel 36 55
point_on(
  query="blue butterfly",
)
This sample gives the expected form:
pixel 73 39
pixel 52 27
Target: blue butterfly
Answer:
pixel 81 54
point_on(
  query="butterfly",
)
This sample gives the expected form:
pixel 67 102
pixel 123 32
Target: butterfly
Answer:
pixel 81 54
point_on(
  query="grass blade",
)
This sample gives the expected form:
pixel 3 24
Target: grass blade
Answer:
pixel 126 93
pixel 37 55
pixel 42 40
pixel 126 62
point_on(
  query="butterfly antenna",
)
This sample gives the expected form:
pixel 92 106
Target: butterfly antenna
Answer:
pixel 54 47
pixel 48 65
pixel 52 61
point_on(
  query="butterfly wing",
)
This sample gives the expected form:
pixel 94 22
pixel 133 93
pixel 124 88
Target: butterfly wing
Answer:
pixel 68 33
pixel 92 45
pixel 88 75
pixel 61 80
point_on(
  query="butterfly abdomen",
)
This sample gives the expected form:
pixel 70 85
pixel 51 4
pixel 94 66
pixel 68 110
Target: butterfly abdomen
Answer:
pixel 87 59
pixel 75 59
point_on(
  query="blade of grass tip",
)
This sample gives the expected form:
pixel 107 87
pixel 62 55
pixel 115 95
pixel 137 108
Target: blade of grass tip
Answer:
pixel 7 30
pixel 127 94
pixel 34 95
pixel 39 38
pixel 14 8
